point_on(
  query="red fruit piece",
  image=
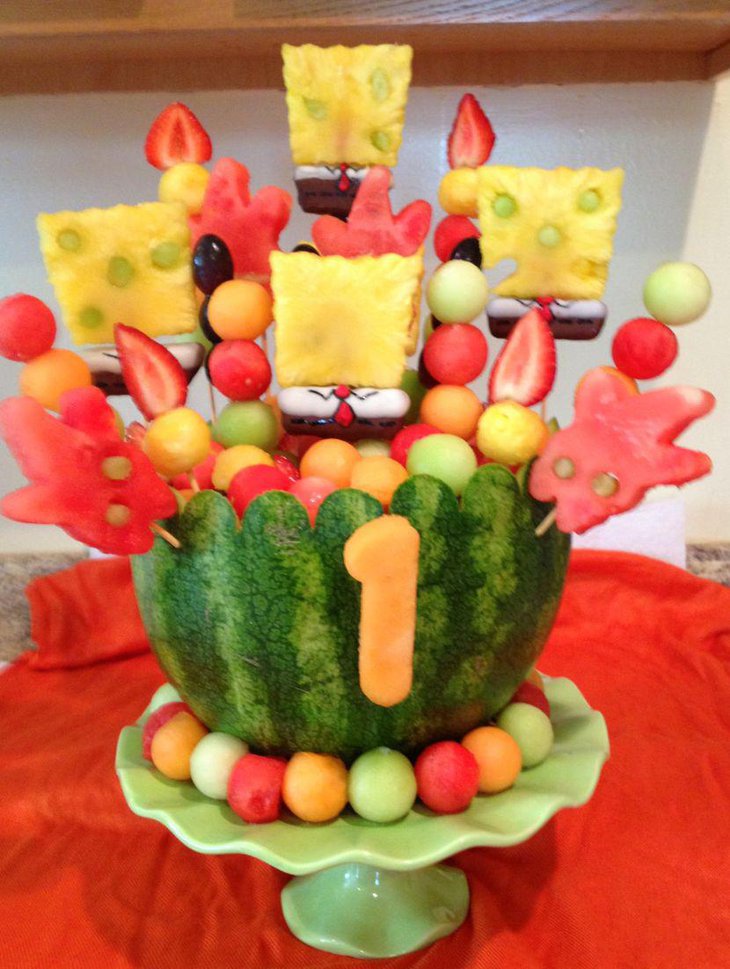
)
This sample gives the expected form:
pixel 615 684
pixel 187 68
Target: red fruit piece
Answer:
pixel 455 353
pixel 249 226
pixel 239 369
pixel 254 788
pixel 450 232
pixel 202 472
pixel 287 468
pixel 154 378
pixel 524 371
pixel 176 136
pixel 406 437
pixel 155 720
pixel 312 492
pixel 644 348
pixel 372 229
pixel 472 136
pixel 253 481
pixel 618 446
pixel 27 327
pixel 447 776
pixel 529 693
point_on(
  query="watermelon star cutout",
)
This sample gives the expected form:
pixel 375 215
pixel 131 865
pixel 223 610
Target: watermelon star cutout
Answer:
pixel 101 490
pixel 619 445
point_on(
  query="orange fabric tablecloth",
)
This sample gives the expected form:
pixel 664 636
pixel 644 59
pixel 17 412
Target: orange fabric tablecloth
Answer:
pixel 636 878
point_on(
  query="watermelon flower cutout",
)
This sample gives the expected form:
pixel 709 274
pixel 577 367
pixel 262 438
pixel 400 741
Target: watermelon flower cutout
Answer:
pixel 619 445
pixel 101 490
pixel 249 225
pixel 372 229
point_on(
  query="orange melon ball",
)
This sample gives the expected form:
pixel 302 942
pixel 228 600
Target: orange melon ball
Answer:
pixel 315 786
pixel 240 309
pixel 47 376
pixel 497 755
pixel 331 459
pixel 173 745
pixel 379 476
pixel 452 409
pixel 229 462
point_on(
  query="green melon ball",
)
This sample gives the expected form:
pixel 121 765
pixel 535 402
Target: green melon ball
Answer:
pixel 373 449
pixel 416 391
pixel 443 456
pixel 166 694
pixel 247 422
pixel 677 293
pixel 212 761
pixel 530 728
pixel 457 292
pixel 381 785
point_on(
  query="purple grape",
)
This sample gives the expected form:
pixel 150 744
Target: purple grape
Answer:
pixel 212 263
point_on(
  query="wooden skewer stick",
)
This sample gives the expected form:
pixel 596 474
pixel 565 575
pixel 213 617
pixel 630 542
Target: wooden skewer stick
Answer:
pixel 194 486
pixel 213 407
pixel 546 522
pixel 168 536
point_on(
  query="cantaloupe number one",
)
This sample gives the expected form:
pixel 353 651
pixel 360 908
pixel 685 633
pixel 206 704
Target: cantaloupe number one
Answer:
pixel 383 555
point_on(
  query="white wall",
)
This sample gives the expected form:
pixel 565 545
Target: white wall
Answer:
pixel 673 139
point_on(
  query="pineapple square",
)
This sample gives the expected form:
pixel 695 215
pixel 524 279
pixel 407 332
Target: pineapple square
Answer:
pixel 343 321
pixel 558 225
pixel 128 264
pixel 346 104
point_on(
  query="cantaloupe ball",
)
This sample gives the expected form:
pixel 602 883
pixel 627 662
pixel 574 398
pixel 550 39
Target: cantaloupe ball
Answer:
pixel 176 441
pixel 235 459
pixel 240 309
pixel 498 756
pixel 452 409
pixel 379 476
pixel 315 786
pixel 46 377
pixel 173 745
pixel 331 459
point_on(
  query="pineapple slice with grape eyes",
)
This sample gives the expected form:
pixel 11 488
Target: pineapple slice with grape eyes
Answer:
pixel 558 225
pixel 346 104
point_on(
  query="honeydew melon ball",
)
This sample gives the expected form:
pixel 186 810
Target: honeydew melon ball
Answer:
pixel 530 728
pixel 444 456
pixel 247 422
pixel 372 448
pixel 457 292
pixel 165 694
pixel 677 293
pixel 381 785
pixel 212 761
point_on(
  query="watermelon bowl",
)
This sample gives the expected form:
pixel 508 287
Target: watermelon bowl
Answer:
pixel 375 890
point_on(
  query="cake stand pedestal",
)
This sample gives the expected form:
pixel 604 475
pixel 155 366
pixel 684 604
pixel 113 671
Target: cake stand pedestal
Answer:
pixel 374 890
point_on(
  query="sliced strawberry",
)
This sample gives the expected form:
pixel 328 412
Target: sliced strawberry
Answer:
pixel 450 231
pixel 472 136
pixel 176 136
pixel 525 369
pixel 155 379
pixel 372 229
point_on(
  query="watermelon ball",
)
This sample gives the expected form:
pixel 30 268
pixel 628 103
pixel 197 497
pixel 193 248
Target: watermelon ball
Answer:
pixel 457 292
pixel 498 757
pixel 251 482
pixel 411 383
pixel 234 459
pixel 401 443
pixel 254 788
pixel 159 717
pixel 27 327
pixel 447 775
pixel 381 785
pixel 372 448
pixel 532 730
pixel 332 459
pixel 511 433
pixel 247 422
pixel 312 492
pixel 456 354
pixel 287 467
pixel 450 232
pixel 240 309
pixel 452 409
pixel 315 786
pixel 47 377
pixel 677 293
pixel 173 745
pixel 176 441
pixel 529 693
pixel 378 476
pixel 239 369
pixel 644 348
pixel 212 762
pixel 443 456
pixel 212 263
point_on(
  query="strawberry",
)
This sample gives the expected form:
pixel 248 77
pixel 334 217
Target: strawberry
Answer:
pixel 472 136
pixel 176 136
pixel 450 231
pixel 155 379
pixel 525 369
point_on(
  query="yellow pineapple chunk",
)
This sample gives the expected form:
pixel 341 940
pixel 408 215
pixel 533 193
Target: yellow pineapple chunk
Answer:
pixel 343 321
pixel 558 225
pixel 127 264
pixel 346 104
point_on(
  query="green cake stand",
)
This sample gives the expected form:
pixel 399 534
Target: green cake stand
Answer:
pixel 375 890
